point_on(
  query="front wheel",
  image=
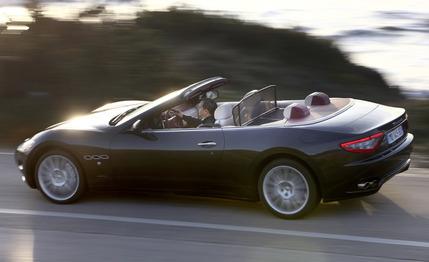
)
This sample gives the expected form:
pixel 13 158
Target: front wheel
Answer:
pixel 288 189
pixel 59 177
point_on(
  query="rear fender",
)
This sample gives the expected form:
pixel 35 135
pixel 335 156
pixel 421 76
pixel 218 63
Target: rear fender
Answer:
pixel 276 153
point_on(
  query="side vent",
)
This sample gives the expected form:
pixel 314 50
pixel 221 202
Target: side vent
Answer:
pixel 295 111
pixel 317 99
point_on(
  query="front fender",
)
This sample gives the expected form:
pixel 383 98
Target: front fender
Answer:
pixel 84 146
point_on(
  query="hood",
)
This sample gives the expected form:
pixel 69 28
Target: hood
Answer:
pixel 99 118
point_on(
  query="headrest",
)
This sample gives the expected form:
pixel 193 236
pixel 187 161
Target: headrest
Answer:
pixel 224 111
pixel 317 99
pixel 296 111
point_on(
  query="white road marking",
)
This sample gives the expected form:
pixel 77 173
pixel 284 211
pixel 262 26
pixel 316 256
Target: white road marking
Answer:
pixel 413 175
pixel 6 153
pixel 177 223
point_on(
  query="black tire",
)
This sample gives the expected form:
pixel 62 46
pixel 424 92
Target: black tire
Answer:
pixel 72 172
pixel 281 187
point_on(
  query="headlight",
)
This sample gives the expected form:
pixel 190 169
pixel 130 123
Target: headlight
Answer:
pixel 26 146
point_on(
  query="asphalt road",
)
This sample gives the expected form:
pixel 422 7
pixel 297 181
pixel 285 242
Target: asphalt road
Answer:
pixel 392 225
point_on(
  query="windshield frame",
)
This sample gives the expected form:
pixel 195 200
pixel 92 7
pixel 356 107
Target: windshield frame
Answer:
pixel 174 98
pixel 166 99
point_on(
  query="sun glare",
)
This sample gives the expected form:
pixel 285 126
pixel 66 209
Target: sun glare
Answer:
pixel 14 14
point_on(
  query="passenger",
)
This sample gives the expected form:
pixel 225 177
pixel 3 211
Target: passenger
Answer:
pixel 206 108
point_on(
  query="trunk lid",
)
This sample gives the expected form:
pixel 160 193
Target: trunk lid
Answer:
pixel 364 117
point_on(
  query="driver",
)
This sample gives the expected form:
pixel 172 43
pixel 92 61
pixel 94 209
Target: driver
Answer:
pixel 206 108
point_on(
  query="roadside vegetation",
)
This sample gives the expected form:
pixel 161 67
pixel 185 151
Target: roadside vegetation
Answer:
pixel 418 115
pixel 57 69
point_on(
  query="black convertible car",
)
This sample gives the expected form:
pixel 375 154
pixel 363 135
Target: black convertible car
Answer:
pixel 288 154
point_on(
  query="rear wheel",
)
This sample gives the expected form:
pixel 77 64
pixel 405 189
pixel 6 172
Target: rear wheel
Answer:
pixel 59 177
pixel 288 189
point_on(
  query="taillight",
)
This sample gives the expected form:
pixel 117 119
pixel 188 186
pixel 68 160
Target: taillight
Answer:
pixel 364 145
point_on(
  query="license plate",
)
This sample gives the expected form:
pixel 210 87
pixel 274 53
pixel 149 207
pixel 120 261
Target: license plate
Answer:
pixel 395 134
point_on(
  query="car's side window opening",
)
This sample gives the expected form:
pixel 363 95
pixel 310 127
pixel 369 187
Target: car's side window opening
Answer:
pixel 194 113
pixel 255 108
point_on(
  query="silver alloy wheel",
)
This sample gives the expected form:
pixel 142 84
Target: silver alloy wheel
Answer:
pixel 285 189
pixel 58 177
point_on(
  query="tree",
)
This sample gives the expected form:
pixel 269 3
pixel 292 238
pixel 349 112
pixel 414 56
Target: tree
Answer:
pixel 35 8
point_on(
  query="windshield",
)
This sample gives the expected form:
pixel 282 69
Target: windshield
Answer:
pixel 255 105
pixel 149 106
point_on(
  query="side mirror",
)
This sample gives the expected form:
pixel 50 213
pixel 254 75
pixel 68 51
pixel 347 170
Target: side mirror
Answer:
pixel 138 130
pixel 136 126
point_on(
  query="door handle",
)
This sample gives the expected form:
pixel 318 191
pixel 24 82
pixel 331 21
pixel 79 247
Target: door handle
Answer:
pixel 207 144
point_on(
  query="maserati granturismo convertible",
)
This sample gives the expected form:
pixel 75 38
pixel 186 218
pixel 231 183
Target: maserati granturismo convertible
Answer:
pixel 289 154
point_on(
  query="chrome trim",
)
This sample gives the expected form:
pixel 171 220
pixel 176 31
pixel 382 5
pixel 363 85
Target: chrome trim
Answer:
pixel 207 144
pixel 96 157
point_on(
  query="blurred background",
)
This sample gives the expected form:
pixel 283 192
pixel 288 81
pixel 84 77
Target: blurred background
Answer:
pixel 63 58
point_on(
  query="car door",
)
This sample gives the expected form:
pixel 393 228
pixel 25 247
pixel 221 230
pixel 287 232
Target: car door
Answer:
pixel 177 158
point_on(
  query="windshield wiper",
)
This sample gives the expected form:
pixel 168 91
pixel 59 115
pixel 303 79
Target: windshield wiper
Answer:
pixel 121 116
